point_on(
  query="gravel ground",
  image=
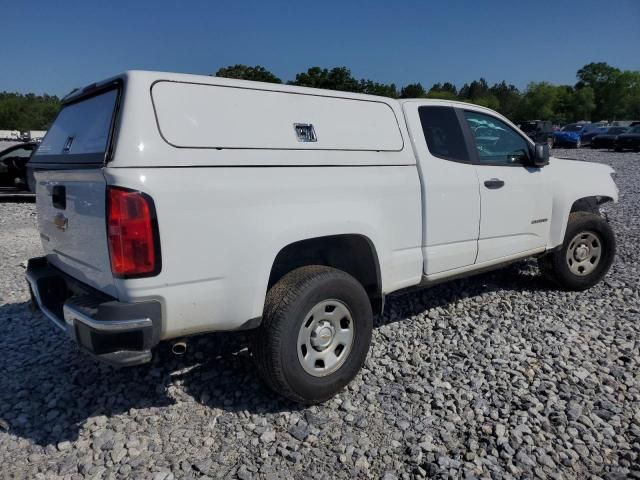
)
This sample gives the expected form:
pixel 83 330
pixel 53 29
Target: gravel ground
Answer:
pixel 496 376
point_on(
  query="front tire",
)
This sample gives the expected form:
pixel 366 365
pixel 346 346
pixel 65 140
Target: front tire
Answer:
pixel 585 256
pixel 315 333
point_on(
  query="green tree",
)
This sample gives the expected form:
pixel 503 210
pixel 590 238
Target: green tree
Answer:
pixel 443 91
pixel 478 92
pixel 538 102
pixel 338 78
pixel 508 97
pixel 629 84
pixel 27 112
pixel 245 72
pixel 444 87
pixel 474 90
pixel 583 103
pixel 413 90
pixel 442 95
pixel 606 83
pixel 374 88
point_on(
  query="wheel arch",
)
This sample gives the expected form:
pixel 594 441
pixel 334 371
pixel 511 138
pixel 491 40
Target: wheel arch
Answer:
pixel 590 204
pixel 352 253
pixel 580 203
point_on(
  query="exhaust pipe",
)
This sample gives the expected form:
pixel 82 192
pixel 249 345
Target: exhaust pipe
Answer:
pixel 179 347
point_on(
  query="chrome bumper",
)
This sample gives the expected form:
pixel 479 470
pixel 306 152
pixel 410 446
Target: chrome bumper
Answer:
pixel 115 332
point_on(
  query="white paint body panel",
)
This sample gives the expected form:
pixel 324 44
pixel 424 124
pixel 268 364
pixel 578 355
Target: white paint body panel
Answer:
pixel 214 116
pixel 221 235
pixel 225 213
pixel 506 226
pixel 451 203
pixel 81 248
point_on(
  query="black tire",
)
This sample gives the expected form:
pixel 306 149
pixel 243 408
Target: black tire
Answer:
pixel 555 265
pixel 287 305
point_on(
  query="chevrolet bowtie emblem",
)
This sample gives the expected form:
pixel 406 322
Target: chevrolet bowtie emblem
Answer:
pixel 61 222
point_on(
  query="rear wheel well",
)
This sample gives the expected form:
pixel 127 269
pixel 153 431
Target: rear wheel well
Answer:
pixel 589 204
pixel 352 253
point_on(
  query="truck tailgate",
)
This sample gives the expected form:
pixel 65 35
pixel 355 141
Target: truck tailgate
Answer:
pixel 70 187
pixel 71 219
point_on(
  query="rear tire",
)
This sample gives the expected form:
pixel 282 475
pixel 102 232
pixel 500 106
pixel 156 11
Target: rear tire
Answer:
pixel 315 333
pixel 585 256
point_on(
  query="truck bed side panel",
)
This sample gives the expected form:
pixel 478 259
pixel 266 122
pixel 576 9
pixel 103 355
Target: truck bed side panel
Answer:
pixel 221 229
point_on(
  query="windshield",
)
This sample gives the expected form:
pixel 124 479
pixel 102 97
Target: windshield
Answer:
pixel 80 132
pixel 616 130
pixel 573 127
pixel 635 129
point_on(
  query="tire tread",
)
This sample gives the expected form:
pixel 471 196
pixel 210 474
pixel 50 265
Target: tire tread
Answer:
pixel 552 265
pixel 268 337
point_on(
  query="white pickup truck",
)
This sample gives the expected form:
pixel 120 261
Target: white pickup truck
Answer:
pixel 171 205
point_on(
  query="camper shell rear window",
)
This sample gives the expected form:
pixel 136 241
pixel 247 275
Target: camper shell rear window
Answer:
pixel 82 131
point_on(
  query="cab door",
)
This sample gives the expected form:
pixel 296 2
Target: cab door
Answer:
pixel 450 196
pixel 516 198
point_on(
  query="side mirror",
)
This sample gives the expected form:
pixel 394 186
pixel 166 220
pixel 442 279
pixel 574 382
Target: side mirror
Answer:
pixel 541 155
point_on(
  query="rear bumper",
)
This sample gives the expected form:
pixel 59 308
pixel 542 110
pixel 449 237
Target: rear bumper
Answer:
pixel 118 333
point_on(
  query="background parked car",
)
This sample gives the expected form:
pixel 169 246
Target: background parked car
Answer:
pixel 569 135
pixel 587 136
pixel 629 140
pixel 539 131
pixel 13 172
pixel 607 138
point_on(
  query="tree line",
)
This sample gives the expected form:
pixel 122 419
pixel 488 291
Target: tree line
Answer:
pixel 27 111
pixel 602 92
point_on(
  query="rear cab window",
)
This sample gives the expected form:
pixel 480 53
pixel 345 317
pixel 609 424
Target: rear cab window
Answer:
pixel 443 133
pixel 81 132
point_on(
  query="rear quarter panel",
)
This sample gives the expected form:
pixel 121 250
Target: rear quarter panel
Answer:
pixel 225 213
pixel 221 229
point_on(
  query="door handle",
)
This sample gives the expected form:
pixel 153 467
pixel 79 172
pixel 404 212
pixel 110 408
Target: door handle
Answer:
pixel 59 197
pixel 494 183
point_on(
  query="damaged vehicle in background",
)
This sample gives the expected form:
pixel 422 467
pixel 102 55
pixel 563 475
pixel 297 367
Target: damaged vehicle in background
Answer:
pixel 629 140
pixel 540 131
pixel 13 170
pixel 575 135
pixel 607 138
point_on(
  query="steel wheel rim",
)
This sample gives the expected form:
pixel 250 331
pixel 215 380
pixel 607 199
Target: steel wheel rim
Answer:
pixel 325 338
pixel 584 253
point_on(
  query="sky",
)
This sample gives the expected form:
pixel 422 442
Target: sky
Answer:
pixel 54 46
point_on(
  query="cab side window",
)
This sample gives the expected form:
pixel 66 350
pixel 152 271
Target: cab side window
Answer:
pixel 496 142
pixel 443 134
pixel 22 152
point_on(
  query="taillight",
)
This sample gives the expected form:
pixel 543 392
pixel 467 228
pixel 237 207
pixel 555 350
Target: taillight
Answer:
pixel 132 232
